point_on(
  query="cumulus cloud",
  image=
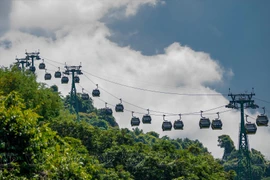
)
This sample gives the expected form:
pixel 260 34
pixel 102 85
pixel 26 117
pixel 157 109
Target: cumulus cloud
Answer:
pixel 53 15
pixel 77 35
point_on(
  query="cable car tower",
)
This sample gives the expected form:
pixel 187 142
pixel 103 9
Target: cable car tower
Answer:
pixel 74 71
pixel 33 56
pixel 245 101
pixel 24 63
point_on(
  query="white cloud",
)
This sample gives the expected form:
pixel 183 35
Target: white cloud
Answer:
pixel 56 14
pixel 81 37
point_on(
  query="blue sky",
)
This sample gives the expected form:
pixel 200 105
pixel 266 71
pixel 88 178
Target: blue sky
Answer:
pixel 235 33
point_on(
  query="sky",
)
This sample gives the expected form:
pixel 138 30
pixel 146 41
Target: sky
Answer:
pixel 195 50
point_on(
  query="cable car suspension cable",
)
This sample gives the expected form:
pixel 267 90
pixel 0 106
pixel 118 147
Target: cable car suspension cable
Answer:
pixel 154 91
pixel 169 114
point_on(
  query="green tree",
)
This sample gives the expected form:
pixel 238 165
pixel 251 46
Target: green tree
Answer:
pixel 17 127
pixel 36 96
pixel 226 142
pixel 31 150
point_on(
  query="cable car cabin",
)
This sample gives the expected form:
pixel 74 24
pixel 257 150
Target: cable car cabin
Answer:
pixel 96 93
pixel 178 124
pixel 166 126
pixel 76 79
pixel 107 111
pixel 119 108
pixel 135 121
pixel 64 80
pixel 262 120
pixel 41 66
pixel 251 128
pixel 146 119
pixel 57 74
pixel 216 124
pixel 47 76
pixel 85 96
pixel 204 123
pixel 32 69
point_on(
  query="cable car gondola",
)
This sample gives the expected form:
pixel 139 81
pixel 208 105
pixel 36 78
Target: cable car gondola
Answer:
pixel 204 122
pixel 262 120
pixel 32 69
pixel 96 92
pixel 166 125
pixel 135 121
pixel 147 118
pixel 76 79
pixel 216 123
pixel 119 107
pixel 106 110
pixel 64 80
pixel 58 74
pixel 178 124
pixel 42 65
pixel 47 76
pixel 251 128
pixel 85 96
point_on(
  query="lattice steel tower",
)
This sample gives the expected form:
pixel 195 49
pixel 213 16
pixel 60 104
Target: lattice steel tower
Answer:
pixel 74 70
pixel 244 161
